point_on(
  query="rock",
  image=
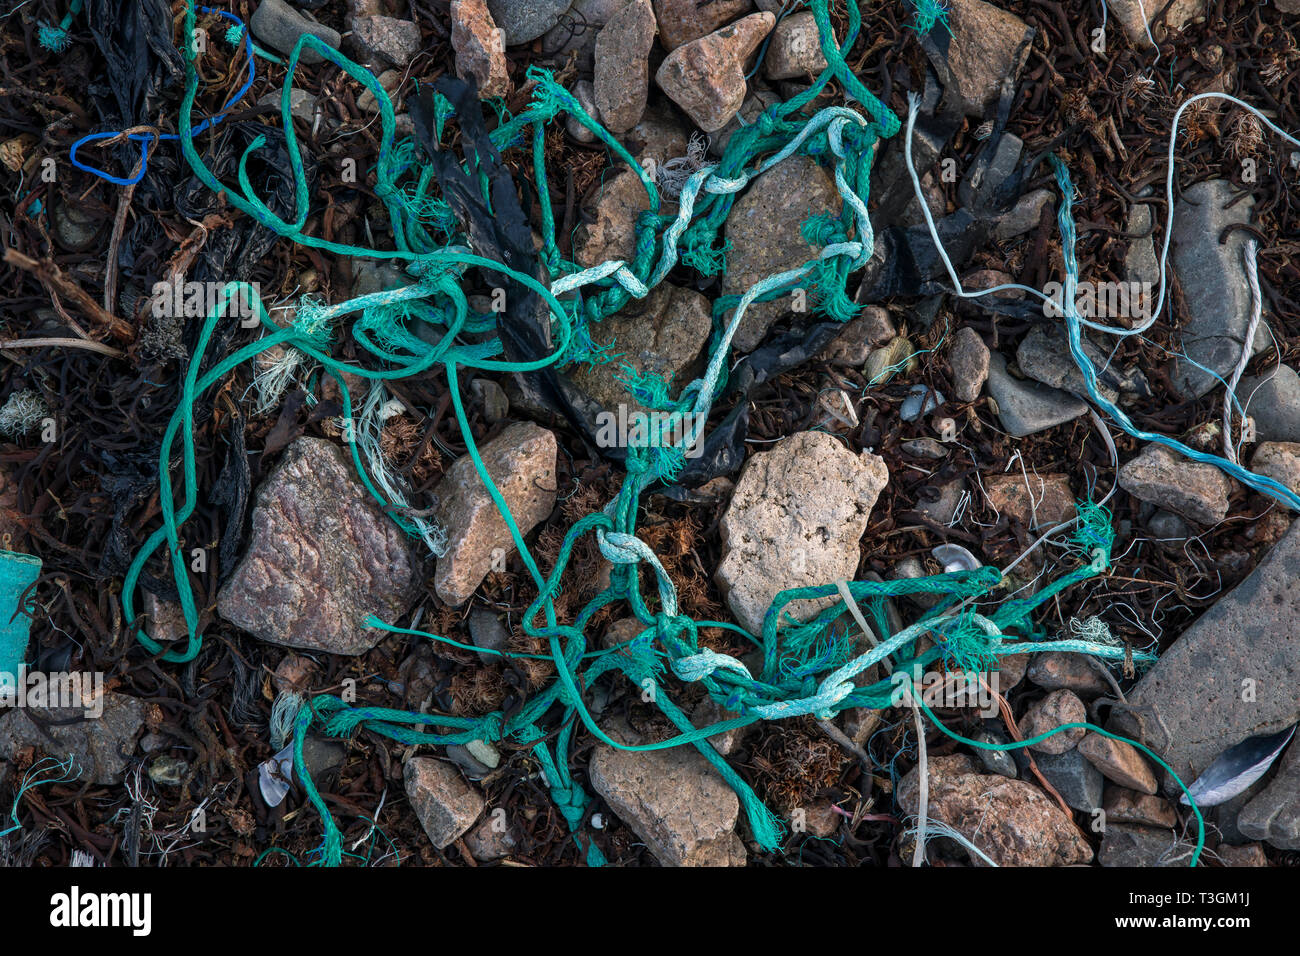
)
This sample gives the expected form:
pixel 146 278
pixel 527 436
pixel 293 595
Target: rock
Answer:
pixel 1026 408
pixel 101 745
pixel 525 20
pixel 491 839
pixel 706 77
pixel 577 30
pixel 1274 814
pixel 1037 502
pixel 968 357
pixel 1230 676
pixel 613 208
pixel 941 502
pixel 990 170
pixel 1196 491
pixel 391 81
pixel 985 48
pixel 1062 670
pixel 1125 845
pixel 1280 461
pixel 1077 781
pixel 1010 820
pixel 1024 215
pixel 279 26
pixel 1045 357
pixel 996 761
pixel 322 559
pixel 659 136
pixel 794 50
pixel 386 41
pixel 487 631
pixel 681 21
pixel 1274 403
pixel 586 95
pixel 1252 854
pixel 446 805
pixel 924 448
pixel 795 520
pixel 521 463
pixel 662 334
pixel 708 711
pixel 165 621
pixel 673 800
pixel 622 68
pixel 1166 526
pixel 1057 708
pixel 1130 14
pixel 1129 806
pixel 851 347
pixel 1140 262
pixel 491 398
pixel 750 110
pixel 302 105
pixel 1119 762
pixel 764 230
pixel 480 48
pixel 1213 284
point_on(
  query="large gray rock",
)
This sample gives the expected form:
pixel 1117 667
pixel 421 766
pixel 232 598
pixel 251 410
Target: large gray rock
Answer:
pixel 1213 282
pixel 521 463
pixel 279 26
pixel 1232 675
pixel 1273 400
pixel 102 745
pixel 1026 407
pixel 526 20
pixel 446 805
pixel 764 231
pixel 662 334
pixel 322 559
pixel 1045 356
pixel 1169 480
pixel 706 77
pixel 622 68
pixel 674 800
pixel 1077 781
pixel 1274 815
pixel 985 48
pixel 795 520
pixel 386 41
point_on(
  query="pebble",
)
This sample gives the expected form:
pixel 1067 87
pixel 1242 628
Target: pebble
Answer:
pixel 1119 762
pixel 794 50
pixel 1252 854
pixel 586 95
pixel 920 400
pixel 1129 806
pixel 1077 781
pixel 279 26
pixel 302 105
pixel 1274 814
pixel 1130 15
pixel 672 799
pixel 446 805
pixel 795 520
pixel 622 70
pixel 662 334
pixel 983 51
pixel 996 761
pixel 1193 703
pixel 525 20
pixel 924 448
pixel 1011 821
pixel 681 21
pixel 1127 846
pixel 1213 285
pixel 940 502
pixel 386 41
pixel 1198 492
pixel 1057 708
pixel 1140 262
pixel 1025 407
pixel 323 557
pixel 1274 403
pixel 491 398
pixel 1025 215
pixel 487 631
pixel 75 227
pixel 1045 356
pixel 101 745
pixel 521 463
pixel 968 357
pixel 491 839
pixel 706 77
pixel 480 53
pixel 611 211
pixel 1167 526
pixel 871 328
pixel 1279 461
pixel 764 230
pixel 1063 670
pixel 1037 502
pixel 753 107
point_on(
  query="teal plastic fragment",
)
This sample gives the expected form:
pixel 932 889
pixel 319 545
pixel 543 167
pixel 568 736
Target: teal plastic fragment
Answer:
pixel 17 573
